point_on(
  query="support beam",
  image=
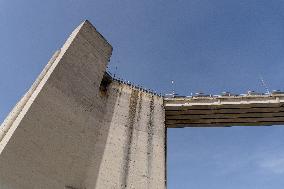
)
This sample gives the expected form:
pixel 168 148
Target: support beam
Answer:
pixel 224 111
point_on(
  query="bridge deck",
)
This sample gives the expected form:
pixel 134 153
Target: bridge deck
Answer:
pixel 250 110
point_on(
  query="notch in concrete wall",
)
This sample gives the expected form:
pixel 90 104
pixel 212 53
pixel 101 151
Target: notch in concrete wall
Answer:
pixel 106 81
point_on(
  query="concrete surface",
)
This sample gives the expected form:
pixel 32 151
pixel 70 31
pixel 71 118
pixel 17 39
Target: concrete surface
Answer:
pixel 68 133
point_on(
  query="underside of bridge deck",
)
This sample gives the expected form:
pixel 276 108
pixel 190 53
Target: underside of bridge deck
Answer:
pixel 260 110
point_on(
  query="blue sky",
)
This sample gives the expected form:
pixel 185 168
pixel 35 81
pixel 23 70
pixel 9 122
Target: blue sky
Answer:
pixel 203 45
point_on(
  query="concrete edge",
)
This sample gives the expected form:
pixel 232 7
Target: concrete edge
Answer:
pixel 18 112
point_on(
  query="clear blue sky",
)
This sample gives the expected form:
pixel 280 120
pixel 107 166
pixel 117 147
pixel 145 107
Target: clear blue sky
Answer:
pixel 203 45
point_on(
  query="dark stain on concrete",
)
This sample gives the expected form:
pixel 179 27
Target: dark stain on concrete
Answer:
pixel 139 109
pixel 129 134
pixel 150 141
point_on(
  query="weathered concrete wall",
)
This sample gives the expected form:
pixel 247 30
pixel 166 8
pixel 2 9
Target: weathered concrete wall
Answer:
pixel 134 155
pixel 66 133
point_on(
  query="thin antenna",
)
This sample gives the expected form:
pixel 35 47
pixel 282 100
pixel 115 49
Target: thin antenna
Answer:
pixel 173 87
pixel 115 71
pixel 264 84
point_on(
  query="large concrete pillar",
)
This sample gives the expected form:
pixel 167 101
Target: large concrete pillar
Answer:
pixel 70 132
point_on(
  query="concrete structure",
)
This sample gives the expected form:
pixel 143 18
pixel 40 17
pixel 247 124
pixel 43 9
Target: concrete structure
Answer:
pixel 71 130
pixel 78 128
pixel 248 110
